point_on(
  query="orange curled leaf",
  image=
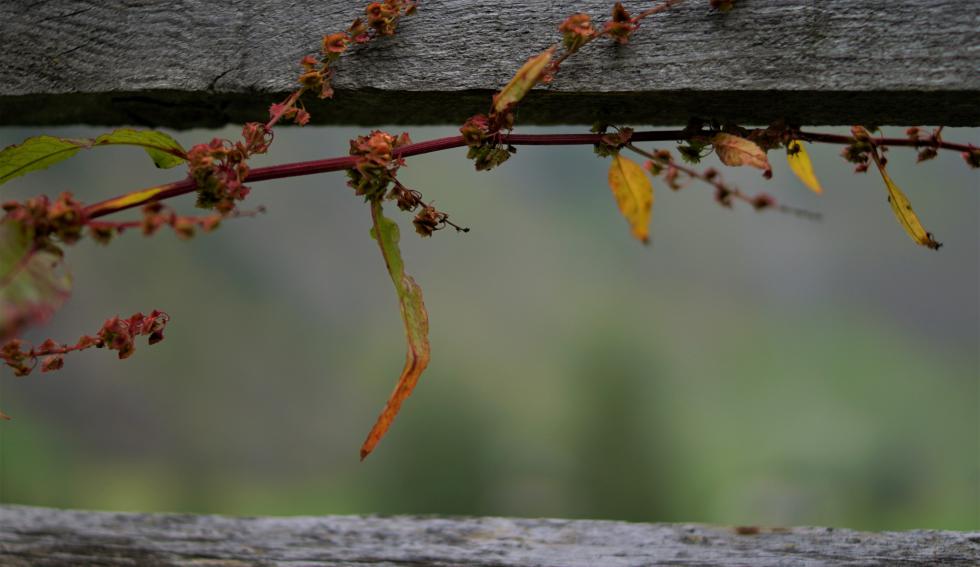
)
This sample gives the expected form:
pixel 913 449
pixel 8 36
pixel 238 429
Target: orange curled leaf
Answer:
pixel 416 320
pixel 733 150
pixel 525 79
pixel 634 194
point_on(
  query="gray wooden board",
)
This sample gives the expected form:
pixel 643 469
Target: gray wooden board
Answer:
pixel 48 537
pixel 189 63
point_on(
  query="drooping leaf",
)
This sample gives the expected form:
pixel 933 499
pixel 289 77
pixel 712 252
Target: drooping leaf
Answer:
pixel 40 152
pixel 634 194
pixel 414 317
pixel 165 151
pixel 733 150
pixel 902 208
pixel 799 162
pixel 525 79
pixel 33 283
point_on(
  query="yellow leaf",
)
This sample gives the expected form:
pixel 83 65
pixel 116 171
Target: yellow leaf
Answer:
pixel 903 209
pixel 634 194
pixel 733 150
pixel 525 79
pixel 799 162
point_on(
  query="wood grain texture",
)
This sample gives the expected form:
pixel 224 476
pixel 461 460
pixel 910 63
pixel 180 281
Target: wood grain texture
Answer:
pixel 187 63
pixel 43 537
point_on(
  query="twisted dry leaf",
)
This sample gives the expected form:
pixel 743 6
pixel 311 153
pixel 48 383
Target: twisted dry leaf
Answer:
pixel 415 318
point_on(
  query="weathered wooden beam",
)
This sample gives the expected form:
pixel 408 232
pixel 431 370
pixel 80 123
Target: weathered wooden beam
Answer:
pixel 188 63
pixel 46 537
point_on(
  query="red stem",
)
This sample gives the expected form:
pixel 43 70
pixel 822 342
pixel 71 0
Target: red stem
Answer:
pixel 340 163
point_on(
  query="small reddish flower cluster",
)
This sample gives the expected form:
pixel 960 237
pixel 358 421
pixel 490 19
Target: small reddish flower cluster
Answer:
pixel 156 215
pixel 383 17
pixel 63 219
pixel 375 169
pixel 480 134
pixel 317 76
pixel 429 219
pixel 219 167
pixel 859 151
pixel 376 165
pixel 931 143
pixel 621 26
pixel 116 334
pixel 611 142
pixel 576 31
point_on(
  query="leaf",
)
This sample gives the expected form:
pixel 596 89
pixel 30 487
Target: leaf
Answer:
pixel 525 79
pixel 165 151
pixel 634 194
pixel 34 154
pixel 799 162
pixel 33 283
pixel 733 150
pixel 902 208
pixel 414 316
pixel 41 152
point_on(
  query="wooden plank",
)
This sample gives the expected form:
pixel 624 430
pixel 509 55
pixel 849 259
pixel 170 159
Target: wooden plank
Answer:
pixel 46 537
pixel 187 63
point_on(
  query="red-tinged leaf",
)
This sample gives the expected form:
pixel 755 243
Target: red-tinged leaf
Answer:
pixel 41 152
pixel 733 150
pixel 525 79
pixel 33 283
pixel 634 194
pixel 414 316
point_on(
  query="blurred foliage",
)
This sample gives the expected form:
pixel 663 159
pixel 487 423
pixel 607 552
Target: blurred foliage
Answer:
pixel 746 368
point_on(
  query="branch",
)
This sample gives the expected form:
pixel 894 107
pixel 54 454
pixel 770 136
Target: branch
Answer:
pixel 162 192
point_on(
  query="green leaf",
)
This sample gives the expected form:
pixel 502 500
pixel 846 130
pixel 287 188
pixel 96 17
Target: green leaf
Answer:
pixel 40 152
pixel 414 316
pixel 33 283
pixel 34 154
pixel 165 151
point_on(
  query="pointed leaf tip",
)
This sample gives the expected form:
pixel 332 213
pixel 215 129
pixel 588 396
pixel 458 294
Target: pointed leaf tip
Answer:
pixel 415 318
pixel 634 195
pixel 902 208
pixel 524 80
pixel 799 162
pixel 40 152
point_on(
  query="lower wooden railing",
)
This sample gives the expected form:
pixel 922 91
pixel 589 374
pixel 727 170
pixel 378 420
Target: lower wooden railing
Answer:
pixel 32 536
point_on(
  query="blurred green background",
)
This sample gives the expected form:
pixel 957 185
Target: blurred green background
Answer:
pixel 747 368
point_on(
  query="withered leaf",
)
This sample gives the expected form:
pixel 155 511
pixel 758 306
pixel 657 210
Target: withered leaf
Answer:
pixel 525 79
pixel 634 194
pixel 733 150
pixel 414 316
